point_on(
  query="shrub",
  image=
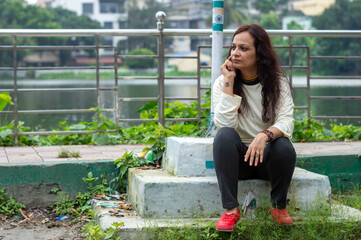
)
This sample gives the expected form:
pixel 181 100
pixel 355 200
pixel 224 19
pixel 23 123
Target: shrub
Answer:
pixel 140 63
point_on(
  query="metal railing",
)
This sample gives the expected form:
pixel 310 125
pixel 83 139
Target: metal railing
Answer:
pixel 158 33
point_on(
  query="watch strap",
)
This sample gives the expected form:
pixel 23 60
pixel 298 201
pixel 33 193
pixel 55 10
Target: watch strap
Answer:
pixel 269 135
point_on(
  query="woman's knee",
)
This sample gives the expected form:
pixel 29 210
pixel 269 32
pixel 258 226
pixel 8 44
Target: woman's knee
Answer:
pixel 283 149
pixel 226 136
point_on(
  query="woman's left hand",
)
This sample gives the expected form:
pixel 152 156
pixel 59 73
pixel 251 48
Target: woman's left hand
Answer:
pixel 255 150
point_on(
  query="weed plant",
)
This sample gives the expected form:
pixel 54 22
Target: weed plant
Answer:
pixel 64 153
pixel 92 230
pixel 79 206
pixel 9 206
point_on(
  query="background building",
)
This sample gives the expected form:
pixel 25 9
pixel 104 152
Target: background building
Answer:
pixel 112 14
pixel 189 14
pixel 312 7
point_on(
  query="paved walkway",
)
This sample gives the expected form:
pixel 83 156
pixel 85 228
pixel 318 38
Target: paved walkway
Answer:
pixel 19 155
pixel 48 154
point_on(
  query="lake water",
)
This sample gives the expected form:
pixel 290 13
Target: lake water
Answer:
pixel 148 88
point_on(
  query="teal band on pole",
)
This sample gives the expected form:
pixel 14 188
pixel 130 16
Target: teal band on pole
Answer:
pixel 218 4
pixel 217 27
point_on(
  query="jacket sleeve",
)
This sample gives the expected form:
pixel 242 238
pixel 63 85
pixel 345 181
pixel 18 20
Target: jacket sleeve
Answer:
pixel 284 114
pixel 225 106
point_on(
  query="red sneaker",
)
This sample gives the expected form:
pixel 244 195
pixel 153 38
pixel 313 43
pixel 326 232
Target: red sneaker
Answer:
pixel 228 222
pixel 280 217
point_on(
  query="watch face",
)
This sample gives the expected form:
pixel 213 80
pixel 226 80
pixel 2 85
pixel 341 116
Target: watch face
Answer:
pixel 271 135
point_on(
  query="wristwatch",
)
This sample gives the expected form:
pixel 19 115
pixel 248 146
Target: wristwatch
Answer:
pixel 269 134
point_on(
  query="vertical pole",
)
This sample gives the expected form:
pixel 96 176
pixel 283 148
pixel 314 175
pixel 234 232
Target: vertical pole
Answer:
pixel 15 68
pixel 98 84
pixel 199 99
pixel 308 83
pixel 160 26
pixel 116 89
pixel 290 58
pixel 217 42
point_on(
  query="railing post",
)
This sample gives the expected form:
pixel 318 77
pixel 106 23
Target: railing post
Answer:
pixel 160 26
pixel 15 66
pixel 97 82
pixel 308 83
pixel 116 89
pixel 290 58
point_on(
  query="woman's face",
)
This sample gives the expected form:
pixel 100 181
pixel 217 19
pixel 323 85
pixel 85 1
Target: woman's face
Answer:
pixel 243 52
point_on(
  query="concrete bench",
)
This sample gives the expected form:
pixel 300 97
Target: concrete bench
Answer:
pixel 187 186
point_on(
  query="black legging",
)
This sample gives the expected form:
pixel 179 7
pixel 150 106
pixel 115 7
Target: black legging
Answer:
pixel 278 164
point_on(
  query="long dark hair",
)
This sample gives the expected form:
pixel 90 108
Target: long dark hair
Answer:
pixel 269 72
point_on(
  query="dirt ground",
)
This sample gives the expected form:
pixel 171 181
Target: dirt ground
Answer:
pixel 40 232
pixel 39 224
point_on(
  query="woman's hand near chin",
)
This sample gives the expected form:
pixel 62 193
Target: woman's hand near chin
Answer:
pixel 229 73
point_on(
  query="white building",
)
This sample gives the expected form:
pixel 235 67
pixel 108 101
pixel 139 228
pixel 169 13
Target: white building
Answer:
pixel 312 7
pixel 112 14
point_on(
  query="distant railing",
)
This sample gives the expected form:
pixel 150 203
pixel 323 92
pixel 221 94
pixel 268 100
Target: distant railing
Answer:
pixel 158 33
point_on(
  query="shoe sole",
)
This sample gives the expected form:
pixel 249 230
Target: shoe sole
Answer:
pixel 220 230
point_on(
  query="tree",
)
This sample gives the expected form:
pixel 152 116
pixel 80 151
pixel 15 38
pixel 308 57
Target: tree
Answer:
pixel 14 14
pixel 270 21
pixel 234 15
pixel 17 15
pixel 344 14
pixel 69 20
pixel 266 6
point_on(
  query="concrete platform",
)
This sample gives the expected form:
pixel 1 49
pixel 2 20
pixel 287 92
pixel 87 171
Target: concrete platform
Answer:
pixel 49 154
pixel 29 173
pixel 157 193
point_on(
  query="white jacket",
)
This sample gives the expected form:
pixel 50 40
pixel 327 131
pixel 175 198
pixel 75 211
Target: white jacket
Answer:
pixel 249 125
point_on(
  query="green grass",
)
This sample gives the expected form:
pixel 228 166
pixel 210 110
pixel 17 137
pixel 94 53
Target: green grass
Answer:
pixel 264 228
pixel 312 224
pixel 351 198
pixel 260 230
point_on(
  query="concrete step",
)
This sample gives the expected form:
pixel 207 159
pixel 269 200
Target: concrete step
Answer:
pixel 159 194
pixel 189 156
